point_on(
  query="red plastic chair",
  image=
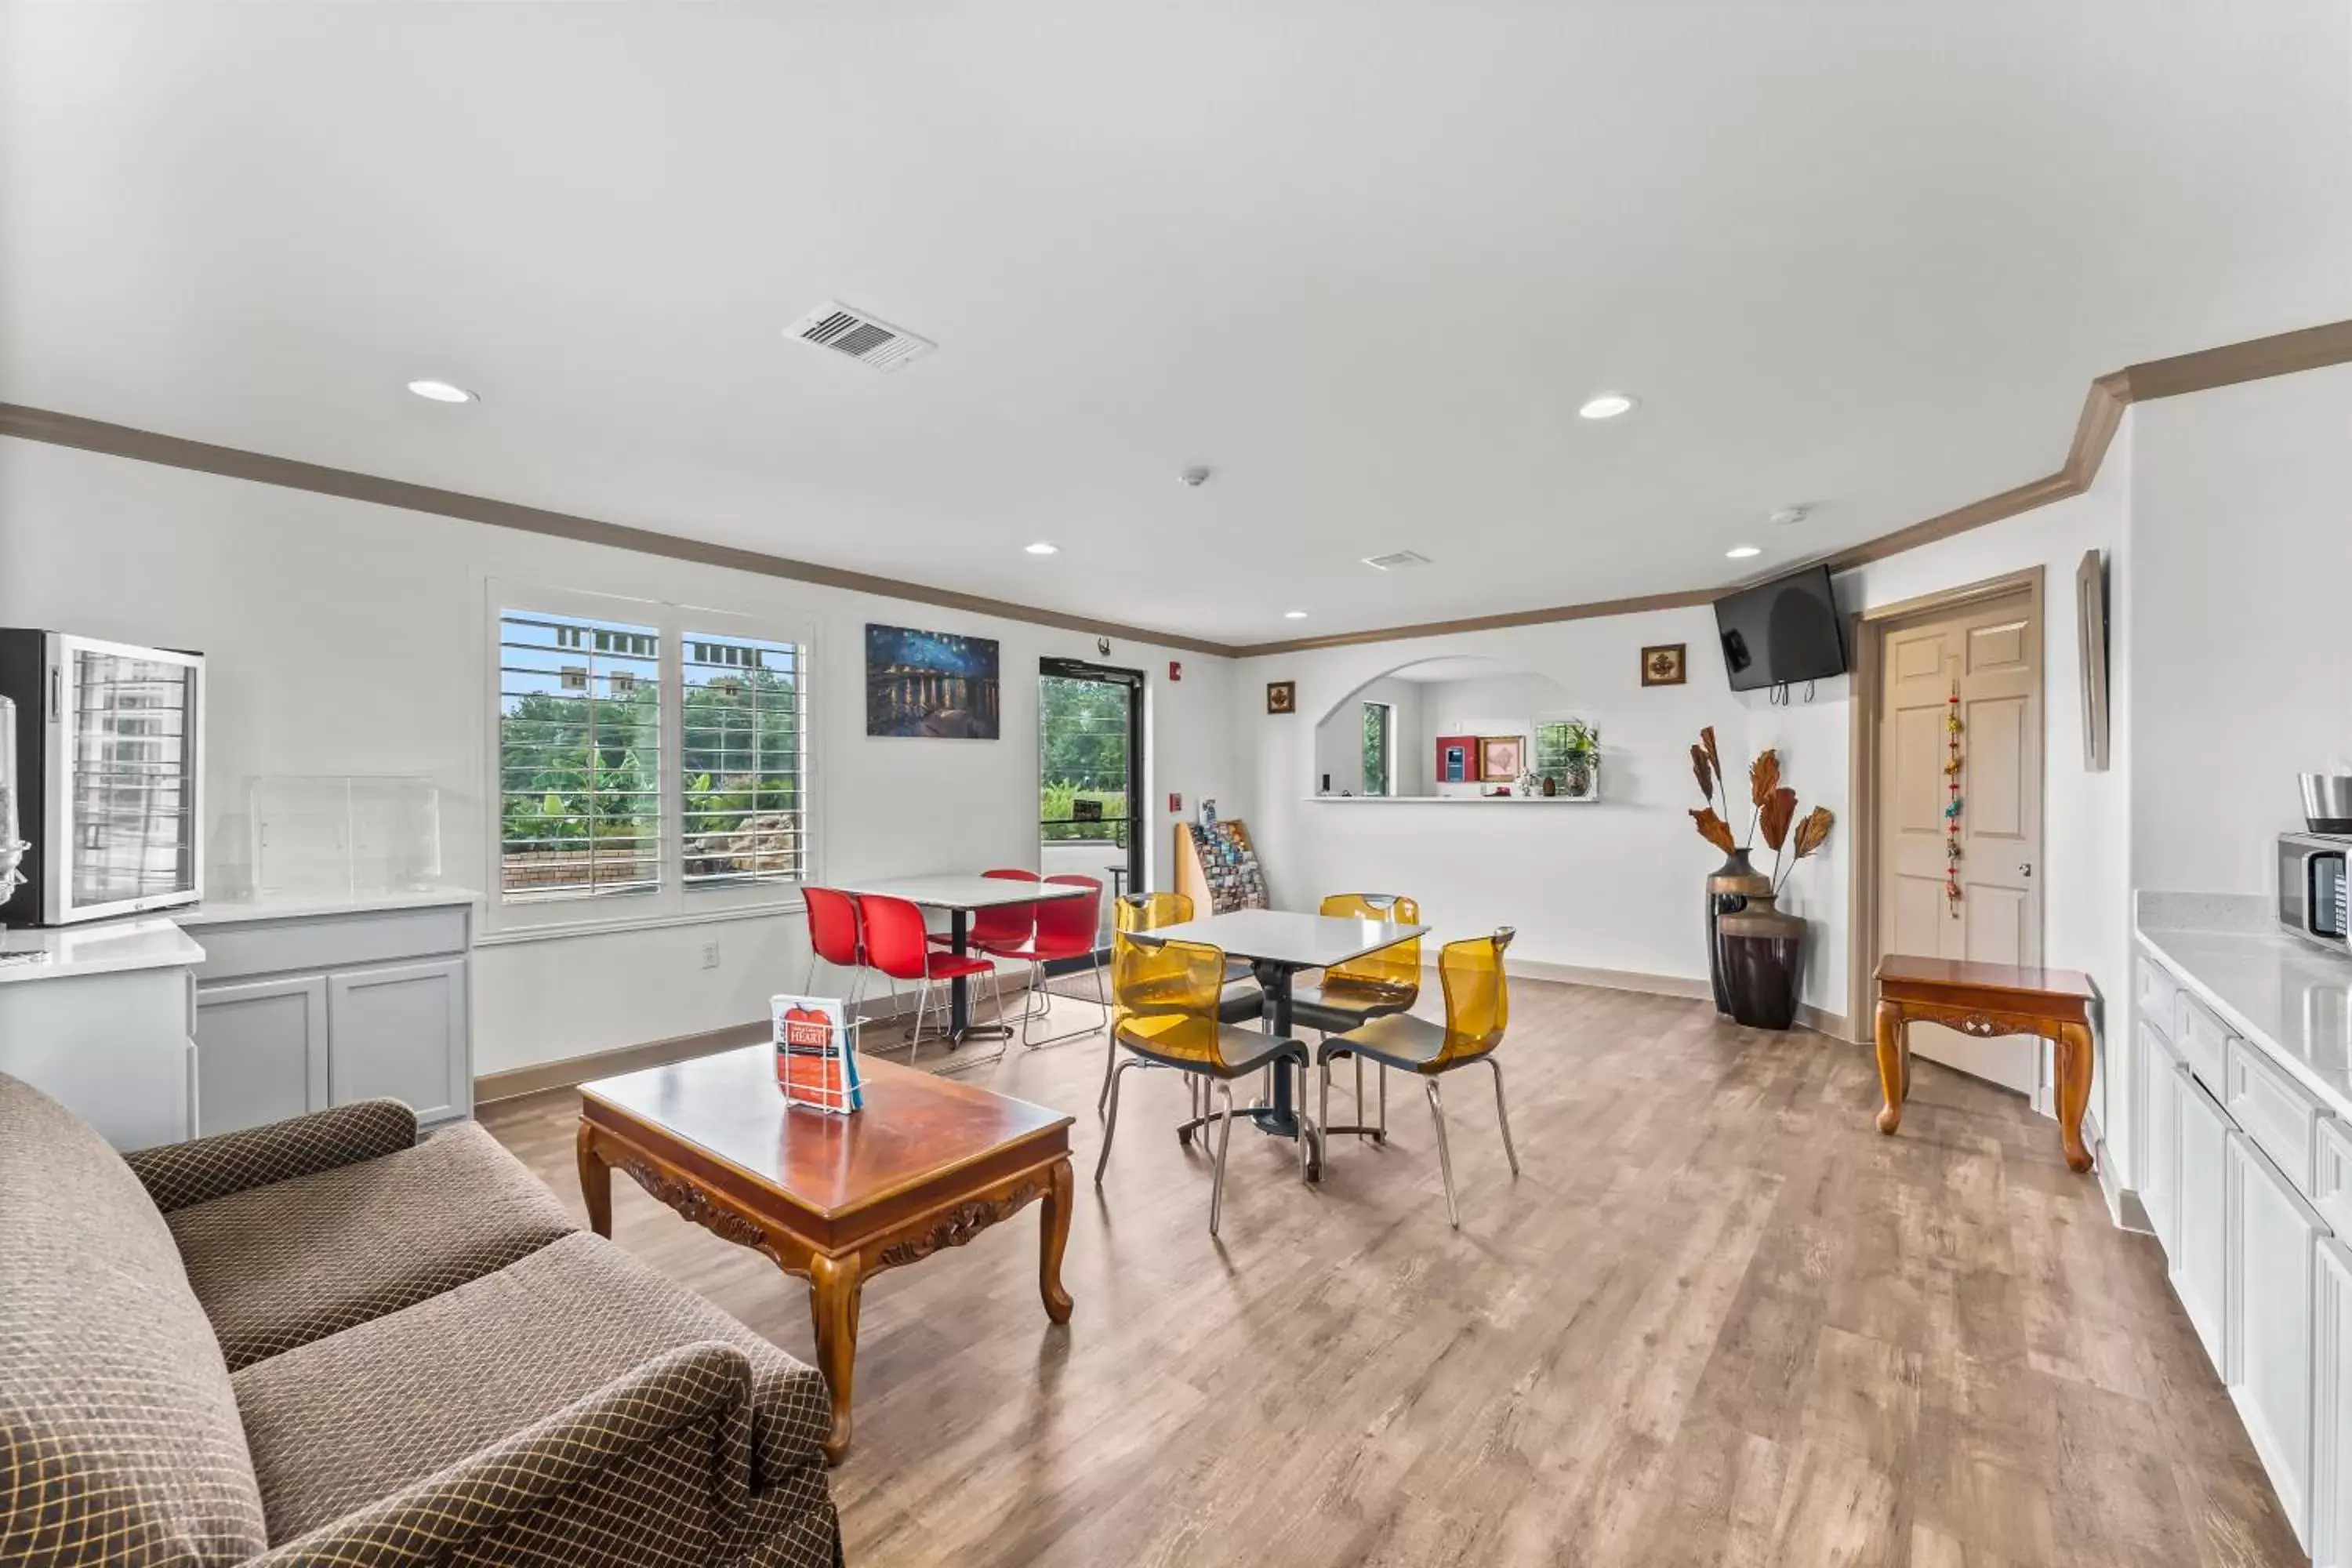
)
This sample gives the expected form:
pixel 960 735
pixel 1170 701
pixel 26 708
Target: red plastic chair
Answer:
pixel 1006 925
pixel 834 938
pixel 1066 928
pixel 898 945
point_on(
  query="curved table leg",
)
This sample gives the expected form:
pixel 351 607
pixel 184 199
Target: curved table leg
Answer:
pixel 2074 1041
pixel 1893 1065
pixel 596 1181
pixel 1054 1223
pixel 834 1291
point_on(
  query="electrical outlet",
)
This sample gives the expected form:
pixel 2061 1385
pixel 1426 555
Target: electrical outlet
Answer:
pixel 709 955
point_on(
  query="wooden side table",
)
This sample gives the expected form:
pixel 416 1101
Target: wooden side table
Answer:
pixel 1985 1000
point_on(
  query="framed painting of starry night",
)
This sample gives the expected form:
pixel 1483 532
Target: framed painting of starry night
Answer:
pixel 929 684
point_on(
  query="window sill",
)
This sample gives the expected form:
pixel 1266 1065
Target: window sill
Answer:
pixel 552 932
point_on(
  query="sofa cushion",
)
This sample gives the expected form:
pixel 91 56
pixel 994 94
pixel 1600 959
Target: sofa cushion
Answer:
pixel 346 1420
pixel 120 1440
pixel 280 1266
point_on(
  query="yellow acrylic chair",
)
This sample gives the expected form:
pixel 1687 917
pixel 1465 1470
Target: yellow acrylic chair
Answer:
pixel 1167 996
pixel 1355 993
pixel 1239 1001
pixel 1477 1010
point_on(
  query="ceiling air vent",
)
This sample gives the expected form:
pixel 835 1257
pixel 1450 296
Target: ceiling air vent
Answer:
pixel 1396 560
pixel 833 325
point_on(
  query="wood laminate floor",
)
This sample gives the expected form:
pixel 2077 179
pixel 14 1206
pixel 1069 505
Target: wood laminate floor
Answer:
pixel 1718 1320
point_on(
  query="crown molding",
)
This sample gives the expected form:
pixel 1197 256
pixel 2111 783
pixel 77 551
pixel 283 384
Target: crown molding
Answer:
pixel 175 451
pixel 2283 353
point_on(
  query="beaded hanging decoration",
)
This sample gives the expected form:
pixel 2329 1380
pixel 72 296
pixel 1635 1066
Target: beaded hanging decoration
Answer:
pixel 1952 728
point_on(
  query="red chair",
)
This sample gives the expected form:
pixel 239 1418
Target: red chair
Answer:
pixel 834 938
pixel 1006 925
pixel 898 945
pixel 1066 928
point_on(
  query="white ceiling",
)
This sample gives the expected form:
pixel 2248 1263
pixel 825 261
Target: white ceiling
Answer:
pixel 1364 260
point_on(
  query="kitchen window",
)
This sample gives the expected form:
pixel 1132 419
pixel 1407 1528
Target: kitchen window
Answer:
pixel 650 761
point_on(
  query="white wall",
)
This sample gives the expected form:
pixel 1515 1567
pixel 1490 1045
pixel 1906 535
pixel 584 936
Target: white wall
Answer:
pixel 1614 885
pixel 348 637
pixel 1339 741
pixel 2242 512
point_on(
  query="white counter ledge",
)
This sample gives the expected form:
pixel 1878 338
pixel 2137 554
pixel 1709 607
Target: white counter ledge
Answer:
pixel 297 906
pixel 110 947
pixel 2288 997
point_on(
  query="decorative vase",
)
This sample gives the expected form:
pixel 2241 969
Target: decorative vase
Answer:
pixel 1763 961
pixel 1727 890
pixel 1580 777
pixel 1551 789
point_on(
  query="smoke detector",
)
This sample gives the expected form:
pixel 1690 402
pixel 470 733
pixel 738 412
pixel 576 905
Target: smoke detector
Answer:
pixel 1788 515
pixel 1396 560
pixel 1193 478
pixel 866 339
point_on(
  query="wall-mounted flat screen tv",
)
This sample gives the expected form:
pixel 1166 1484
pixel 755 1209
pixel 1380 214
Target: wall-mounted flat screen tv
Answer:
pixel 1783 631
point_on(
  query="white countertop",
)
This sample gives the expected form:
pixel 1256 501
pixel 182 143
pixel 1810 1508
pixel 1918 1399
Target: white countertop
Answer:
pixel 108 948
pixel 2286 996
pixel 291 905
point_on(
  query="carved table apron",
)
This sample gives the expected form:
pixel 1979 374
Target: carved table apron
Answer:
pixel 837 1254
pixel 1983 1001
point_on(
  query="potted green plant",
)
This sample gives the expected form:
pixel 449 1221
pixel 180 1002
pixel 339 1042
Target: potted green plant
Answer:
pixel 1579 753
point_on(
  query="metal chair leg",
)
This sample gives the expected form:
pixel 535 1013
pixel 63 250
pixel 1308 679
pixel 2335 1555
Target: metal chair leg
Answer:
pixel 1323 1112
pixel 1111 1121
pixel 1225 1136
pixel 1309 1166
pixel 1360 1099
pixel 1110 1071
pixel 1384 1104
pixel 1445 1157
pixel 1503 1115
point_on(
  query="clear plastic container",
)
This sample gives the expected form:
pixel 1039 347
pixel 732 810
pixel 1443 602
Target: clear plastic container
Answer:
pixel 344 834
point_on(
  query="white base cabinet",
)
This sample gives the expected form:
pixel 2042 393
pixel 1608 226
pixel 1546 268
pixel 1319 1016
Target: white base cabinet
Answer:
pixel 2200 1256
pixel 2331 1456
pixel 2273 1248
pixel 113 1048
pixel 298 1013
pixel 2244 1176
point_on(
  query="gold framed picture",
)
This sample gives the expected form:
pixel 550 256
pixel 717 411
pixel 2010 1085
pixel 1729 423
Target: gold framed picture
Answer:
pixel 1502 757
pixel 1282 696
pixel 1665 665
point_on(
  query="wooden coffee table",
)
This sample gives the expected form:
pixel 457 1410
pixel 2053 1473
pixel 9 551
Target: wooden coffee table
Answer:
pixel 1982 1000
pixel 930 1162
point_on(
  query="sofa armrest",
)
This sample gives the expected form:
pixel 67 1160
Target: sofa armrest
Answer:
pixel 594 1483
pixel 180 1175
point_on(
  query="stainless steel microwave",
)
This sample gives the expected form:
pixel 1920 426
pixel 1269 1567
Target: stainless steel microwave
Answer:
pixel 108 774
pixel 2315 897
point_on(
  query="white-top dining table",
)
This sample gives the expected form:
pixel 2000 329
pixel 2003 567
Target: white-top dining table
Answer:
pixel 959 894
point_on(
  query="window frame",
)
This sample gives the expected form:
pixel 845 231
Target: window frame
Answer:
pixel 1388 747
pixel 673 902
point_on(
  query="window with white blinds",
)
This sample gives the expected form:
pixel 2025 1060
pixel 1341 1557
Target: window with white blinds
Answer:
pixel 580 811
pixel 741 751
pixel 647 764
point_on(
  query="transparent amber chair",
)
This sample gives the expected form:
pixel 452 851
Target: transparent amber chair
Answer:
pixel 1355 993
pixel 1240 1002
pixel 1167 996
pixel 1477 1011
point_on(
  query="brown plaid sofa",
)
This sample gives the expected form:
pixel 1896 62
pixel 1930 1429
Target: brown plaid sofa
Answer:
pixel 322 1342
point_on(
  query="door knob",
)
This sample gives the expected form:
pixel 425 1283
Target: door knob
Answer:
pixel 2025 869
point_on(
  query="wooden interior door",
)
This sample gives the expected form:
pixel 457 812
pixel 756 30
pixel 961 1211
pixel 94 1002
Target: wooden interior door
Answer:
pixel 1990 654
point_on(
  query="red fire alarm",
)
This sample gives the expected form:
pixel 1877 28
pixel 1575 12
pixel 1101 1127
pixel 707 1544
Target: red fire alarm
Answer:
pixel 1175 670
pixel 1175 801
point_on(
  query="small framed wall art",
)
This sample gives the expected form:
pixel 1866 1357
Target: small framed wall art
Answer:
pixel 1502 757
pixel 1282 697
pixel 1665 664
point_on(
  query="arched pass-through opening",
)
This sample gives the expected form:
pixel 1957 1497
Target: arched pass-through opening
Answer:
pixel 1463 729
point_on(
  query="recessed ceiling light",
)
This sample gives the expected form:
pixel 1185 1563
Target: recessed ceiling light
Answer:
pixel 1294 615
pixel 1607 405
pixel 441 392
pixel 1742 551
pixel 1042 548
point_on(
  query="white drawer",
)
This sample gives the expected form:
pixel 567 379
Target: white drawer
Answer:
pixel 2156 991
pixel 2331 1181
pixel 2272 1110
pixel 2203 1043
